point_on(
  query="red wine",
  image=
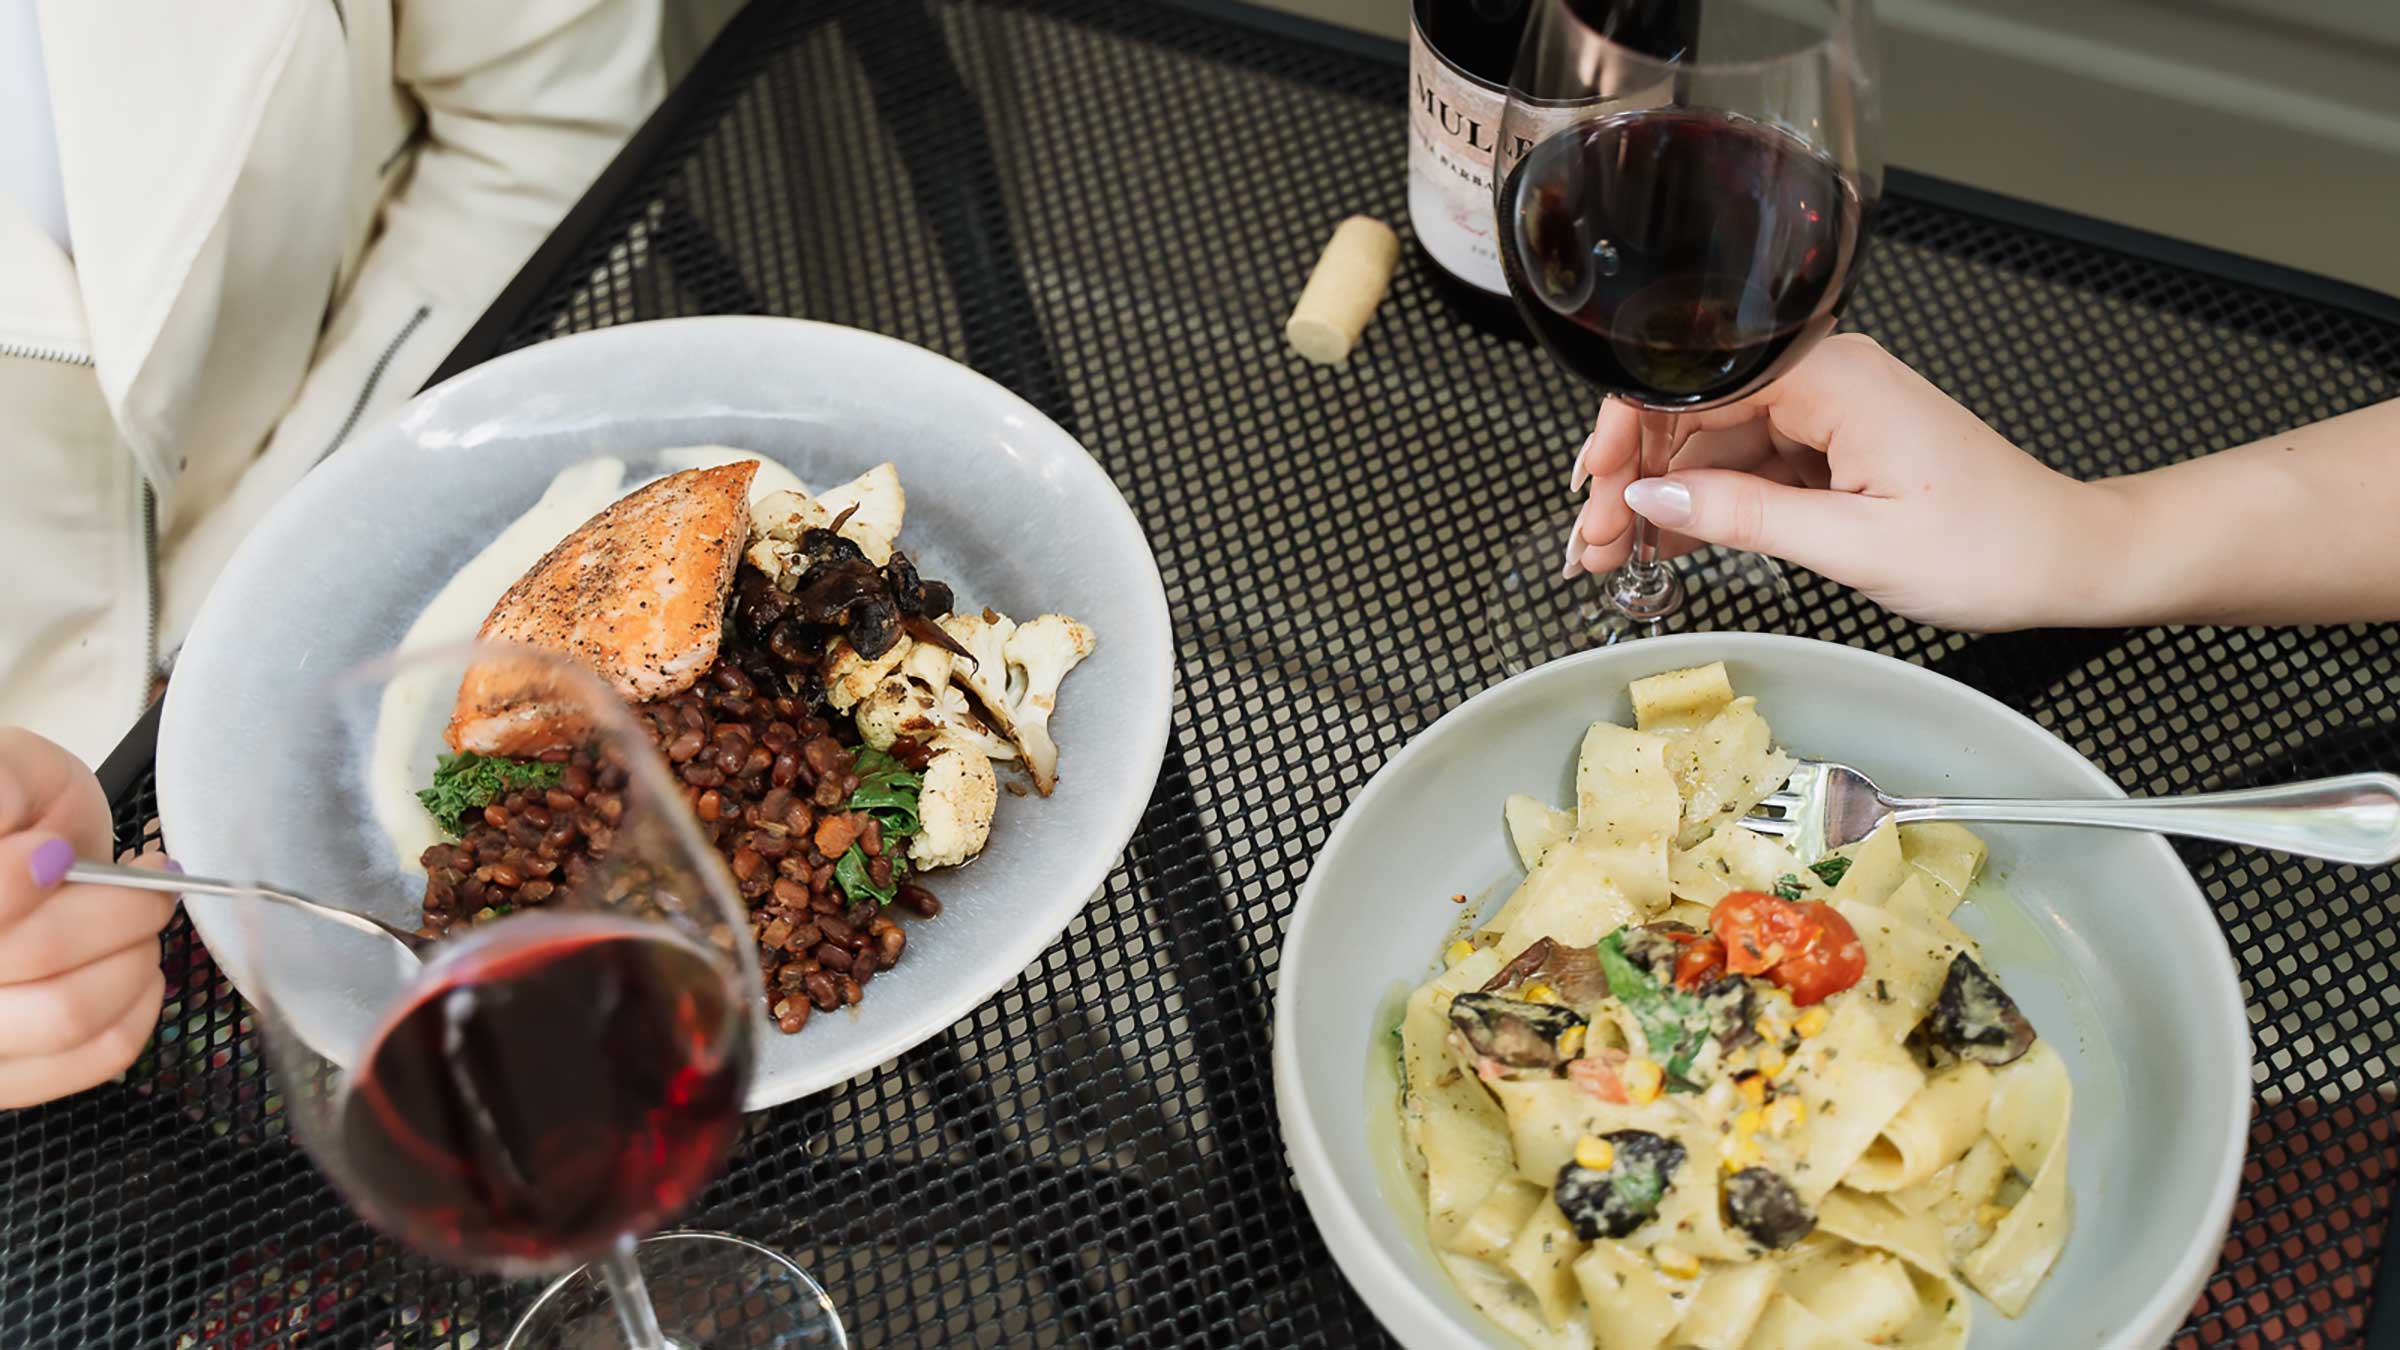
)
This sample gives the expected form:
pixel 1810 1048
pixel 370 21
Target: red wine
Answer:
pixel 562 1080
pixel 1679 256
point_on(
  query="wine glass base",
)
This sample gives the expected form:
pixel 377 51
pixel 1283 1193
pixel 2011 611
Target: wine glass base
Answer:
pixel 1646 595
pixel 712 1291
pixel 1532 615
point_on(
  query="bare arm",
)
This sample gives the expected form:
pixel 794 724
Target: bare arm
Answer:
pixel 2302 527
pixel 1856 467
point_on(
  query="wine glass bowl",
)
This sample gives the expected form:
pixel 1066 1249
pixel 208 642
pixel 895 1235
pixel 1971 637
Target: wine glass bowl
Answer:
pixel 1682 199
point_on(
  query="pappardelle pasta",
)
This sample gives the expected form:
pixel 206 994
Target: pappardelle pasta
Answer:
pixel 1686 1088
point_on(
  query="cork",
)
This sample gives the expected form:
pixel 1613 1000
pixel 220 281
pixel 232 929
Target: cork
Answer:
pixel 1343 291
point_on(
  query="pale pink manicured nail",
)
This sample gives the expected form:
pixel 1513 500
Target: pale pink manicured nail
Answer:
pixel 1574 556
pixel 1582 474
pixel 1587 522
pixel 51 859
pixel 1661 501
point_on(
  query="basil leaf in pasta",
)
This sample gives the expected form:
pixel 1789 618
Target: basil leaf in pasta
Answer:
pixel 1676 1024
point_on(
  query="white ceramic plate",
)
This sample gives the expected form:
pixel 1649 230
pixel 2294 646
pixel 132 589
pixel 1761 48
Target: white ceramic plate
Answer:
pixel 2102 938
pixel 1001 503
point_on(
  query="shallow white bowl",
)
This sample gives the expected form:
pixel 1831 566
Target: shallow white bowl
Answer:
pixel 1001 502
pixel 2102 938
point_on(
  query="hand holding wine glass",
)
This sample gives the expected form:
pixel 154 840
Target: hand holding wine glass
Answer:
pixel 551 1085
pixel 1682 202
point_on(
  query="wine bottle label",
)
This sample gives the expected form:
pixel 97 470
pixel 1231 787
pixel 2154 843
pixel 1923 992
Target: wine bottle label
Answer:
pixel 1453 128
pixel 1453 141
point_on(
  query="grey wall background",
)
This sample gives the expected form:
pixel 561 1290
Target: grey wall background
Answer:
pixel 2267 127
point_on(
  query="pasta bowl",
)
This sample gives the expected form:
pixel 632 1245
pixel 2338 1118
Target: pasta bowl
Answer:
pixel 2103 940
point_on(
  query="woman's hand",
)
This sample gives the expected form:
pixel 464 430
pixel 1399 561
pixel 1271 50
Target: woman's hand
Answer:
pixel 79 978
pixel 1855 467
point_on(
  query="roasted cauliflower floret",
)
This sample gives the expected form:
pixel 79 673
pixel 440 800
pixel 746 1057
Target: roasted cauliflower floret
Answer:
pixel 1045 649
pixel 880 504
pixel 986 676
pixel 898 707
pixel 955 807
pixel 850 679
pixel 778 520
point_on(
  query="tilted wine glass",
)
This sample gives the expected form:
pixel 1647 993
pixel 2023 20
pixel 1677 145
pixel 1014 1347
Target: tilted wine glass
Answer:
pixel 563 1074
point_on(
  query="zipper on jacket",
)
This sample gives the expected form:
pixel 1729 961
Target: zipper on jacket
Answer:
pixel 150 671
pixel 30 352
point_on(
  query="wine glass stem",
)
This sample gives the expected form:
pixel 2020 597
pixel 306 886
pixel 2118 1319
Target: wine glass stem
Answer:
pixel 1646 589
pixel 630 1297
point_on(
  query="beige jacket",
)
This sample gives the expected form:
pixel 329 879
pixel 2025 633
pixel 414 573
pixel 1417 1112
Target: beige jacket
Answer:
pixel 283 214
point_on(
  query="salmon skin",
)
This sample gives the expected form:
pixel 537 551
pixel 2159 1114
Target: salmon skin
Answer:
pixel 636 594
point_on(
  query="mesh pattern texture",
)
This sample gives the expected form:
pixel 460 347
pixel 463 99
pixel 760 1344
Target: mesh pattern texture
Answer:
pixel 1108 207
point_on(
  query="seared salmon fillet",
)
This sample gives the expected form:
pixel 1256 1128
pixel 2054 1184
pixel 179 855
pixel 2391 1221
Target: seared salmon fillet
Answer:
pixel 636 594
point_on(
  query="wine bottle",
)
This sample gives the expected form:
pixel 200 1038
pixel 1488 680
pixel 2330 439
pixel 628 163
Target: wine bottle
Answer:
pixel 1459 56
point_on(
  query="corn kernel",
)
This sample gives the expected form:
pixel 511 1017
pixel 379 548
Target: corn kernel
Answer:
pixel 1540 993
pixel 1812 1021
pixel 1596 1153
pixel 1754 1088
pixel 1771 1060
pixel 1570 1042
pixel 1459 951
pixel 1786 1115
pixel 1742 1151
pixel 1675 1261
pixel 1643 1080
pixel 1770 1028
pixel 1989 1216
pixel 1749 1123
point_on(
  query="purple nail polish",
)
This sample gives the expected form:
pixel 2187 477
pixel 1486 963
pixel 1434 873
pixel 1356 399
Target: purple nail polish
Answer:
pixel 51 859
pixel 171 865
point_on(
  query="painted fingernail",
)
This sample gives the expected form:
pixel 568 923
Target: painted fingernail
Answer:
pixel 1582 475
pixel 1661 501
pixel 1574 556
pixel 171 865
pixel 51 859
pixel 1587 521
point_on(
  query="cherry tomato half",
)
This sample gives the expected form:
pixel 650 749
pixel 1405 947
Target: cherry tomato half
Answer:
pixel 1701 960
pixel 1757 929
pixel 1828 962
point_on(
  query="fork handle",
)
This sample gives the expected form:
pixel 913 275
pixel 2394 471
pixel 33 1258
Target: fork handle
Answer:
pixel 2351 819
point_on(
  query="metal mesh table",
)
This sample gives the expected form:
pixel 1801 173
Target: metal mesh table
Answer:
pixel 1108 206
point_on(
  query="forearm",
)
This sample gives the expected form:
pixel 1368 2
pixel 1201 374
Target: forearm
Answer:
pixel 2302 527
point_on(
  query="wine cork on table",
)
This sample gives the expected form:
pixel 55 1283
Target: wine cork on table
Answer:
pixel 1342 293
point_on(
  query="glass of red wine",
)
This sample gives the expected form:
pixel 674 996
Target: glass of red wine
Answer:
pixel 1682 192
pixel 545 1085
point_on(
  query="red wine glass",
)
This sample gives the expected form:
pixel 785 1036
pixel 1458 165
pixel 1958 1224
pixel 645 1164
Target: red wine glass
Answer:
pixel 562 1072
pixel 1682 193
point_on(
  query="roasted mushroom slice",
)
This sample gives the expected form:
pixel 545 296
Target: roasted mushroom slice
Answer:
pixel 917 597
pixel 1974 1018
pixel 1573 973
pixel 1733 1007
pixel 1514 1032
pixel 1612 1201
pixel 1765 1206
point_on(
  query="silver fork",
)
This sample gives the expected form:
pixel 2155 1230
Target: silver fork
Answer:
pixel 2351 819
pixel 407 949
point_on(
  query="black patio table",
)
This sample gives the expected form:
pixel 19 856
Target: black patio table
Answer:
pixel 1109 206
